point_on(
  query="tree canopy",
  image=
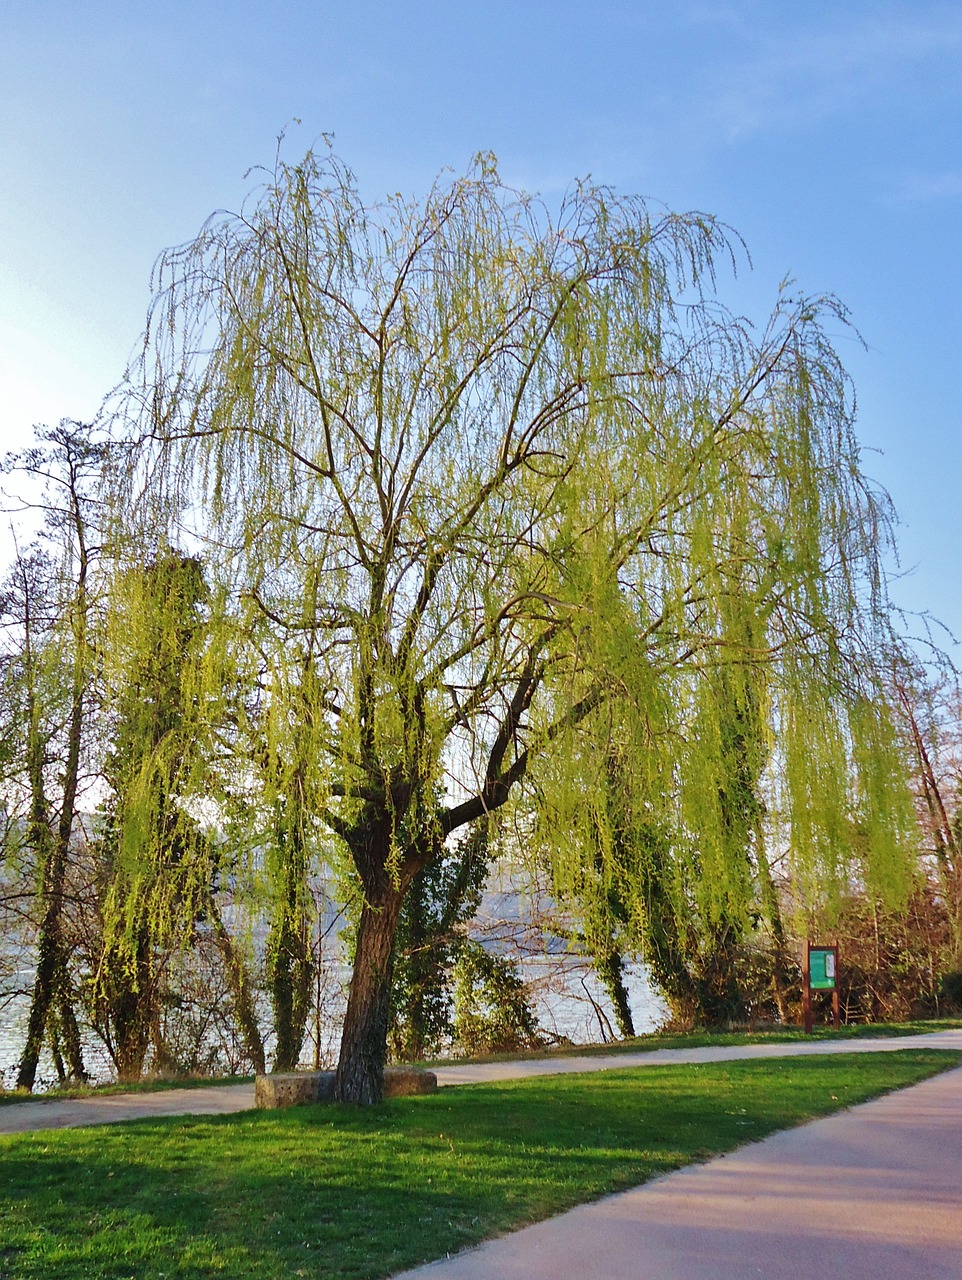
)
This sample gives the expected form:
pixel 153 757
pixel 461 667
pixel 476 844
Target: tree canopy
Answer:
pixel 498 498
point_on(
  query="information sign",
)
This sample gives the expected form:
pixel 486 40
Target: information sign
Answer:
pixel 821 974
pixel 821 968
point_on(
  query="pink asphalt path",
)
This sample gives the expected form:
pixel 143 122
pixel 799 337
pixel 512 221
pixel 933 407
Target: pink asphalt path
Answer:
pixel 872 1193
pixel 75 1113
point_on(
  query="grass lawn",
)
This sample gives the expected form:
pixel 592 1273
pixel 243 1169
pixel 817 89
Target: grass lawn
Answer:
pixel 651 1040
pixel 343 1192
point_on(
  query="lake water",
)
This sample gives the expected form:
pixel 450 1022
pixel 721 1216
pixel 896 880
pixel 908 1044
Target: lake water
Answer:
pixel 563 990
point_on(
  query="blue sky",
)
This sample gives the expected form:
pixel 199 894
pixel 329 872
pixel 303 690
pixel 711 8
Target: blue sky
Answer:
pixel 828 135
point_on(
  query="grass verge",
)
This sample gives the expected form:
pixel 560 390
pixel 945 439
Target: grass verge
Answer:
pixel 649 1041
pixel 351 1194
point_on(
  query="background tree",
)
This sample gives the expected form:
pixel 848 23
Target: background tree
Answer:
pixel 288 855
pixel 47 613
pixel 477 465
pixel 930 712
pixel 432 934
pixel 158 858
pixel 269 833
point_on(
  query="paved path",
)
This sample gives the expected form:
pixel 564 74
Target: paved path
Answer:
pixel 224 1099
pixel 66 1113
pixel 872 1193
pixel 475 1073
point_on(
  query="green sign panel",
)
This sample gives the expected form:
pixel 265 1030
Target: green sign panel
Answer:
pixel 821 968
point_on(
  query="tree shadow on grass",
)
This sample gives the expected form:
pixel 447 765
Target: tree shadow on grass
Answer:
pixel 345 1193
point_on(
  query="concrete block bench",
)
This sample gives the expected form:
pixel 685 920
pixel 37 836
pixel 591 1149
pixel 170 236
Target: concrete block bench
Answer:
pixel 299 1088
pixel 404 1082
pixel 293 1089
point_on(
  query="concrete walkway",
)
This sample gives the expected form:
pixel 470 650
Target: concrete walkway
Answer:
pixel 475 1073
pixel 872 1193
pixel 21 1117
pixel 73 1113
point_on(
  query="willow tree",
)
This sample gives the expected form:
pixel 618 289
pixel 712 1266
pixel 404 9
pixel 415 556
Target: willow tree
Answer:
pixel 156 864
pixel 771 728
pixel 450 456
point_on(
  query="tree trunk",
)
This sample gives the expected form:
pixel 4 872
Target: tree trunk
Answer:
pixel 69 1033
pixel 610 968
pixel 289 967
pixel 360 1068
pixel 44 983
pixel 720 998
pixel 53 845
pixel 127 983
pixel 133 1025
pixel 418 975
pixel 238 979
pixel 289 961
pixel 772 908
pixel 51 858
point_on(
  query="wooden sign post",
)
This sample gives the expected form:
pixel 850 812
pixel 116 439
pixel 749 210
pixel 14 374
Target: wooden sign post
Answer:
pixel 821 974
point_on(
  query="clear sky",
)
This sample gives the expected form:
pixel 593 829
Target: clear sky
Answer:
pixel 827 134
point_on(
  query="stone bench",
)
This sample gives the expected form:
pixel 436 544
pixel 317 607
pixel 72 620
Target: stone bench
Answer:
pixel 298 1088
pixel 293 1089
pixel 404 1082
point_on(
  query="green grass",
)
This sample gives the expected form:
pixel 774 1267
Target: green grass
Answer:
pixel 652 1040
pixel 347 1193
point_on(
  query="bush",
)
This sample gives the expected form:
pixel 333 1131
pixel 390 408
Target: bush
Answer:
pixel 491 1013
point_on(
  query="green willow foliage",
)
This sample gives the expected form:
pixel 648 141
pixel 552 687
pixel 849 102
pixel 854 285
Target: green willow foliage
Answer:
pixel 156 864
pixel 497 494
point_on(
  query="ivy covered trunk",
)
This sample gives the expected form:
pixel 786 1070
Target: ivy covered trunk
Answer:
pixel 49 968
pixel 418 976
pixel 51 842
pixel 360 1070
pixel 127 996
pixel 51 856
pixel 431 935
pixel 239 981
pixel 610 968
pixel 290 973
pixel 780 958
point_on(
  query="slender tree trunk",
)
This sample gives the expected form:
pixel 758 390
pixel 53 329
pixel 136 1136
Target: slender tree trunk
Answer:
pixel 289 962
pixel 54 845
pixel 945 834
pixel 70 1042
pixel 238 978
pixel 419 967
pixel 360 1068
pixel 610 968
pixel 290 984
pixel 720 998
pixel 663 950
pixel 47 972
pixel 54 1035
pixel 50 995
pixel 51 857
pixel 772 909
